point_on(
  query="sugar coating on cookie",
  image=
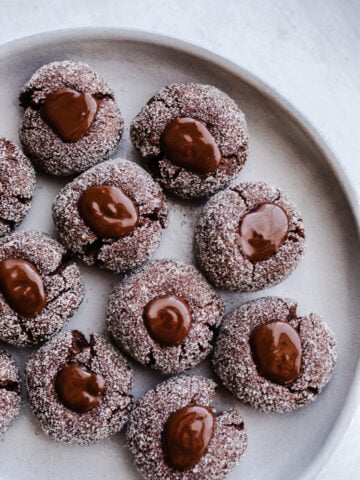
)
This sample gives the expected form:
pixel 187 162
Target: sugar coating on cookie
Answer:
pixel 125 315
pixel 17 184
pixel 10 399
pixel 45 148
pixel 150 414
pixel 115 254
pixel 235 366
pixel 218 253
pixel 97 355
pixel 214 109
pixel 61 280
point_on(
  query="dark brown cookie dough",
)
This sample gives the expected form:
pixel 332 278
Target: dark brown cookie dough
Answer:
pixel 9 391
pixel 234 362
pixel 45 148
pixel 97 356
pixel 207 104
pixel 17 184
pixel 126 307
pixel 218 253
pixel 146 427
pixel 115 254
pixel 61 280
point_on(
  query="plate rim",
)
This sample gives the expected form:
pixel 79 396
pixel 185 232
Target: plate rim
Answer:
pixel 105 33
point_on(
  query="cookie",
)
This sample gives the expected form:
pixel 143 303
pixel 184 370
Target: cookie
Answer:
pixel 193 138
pixel 10 399
pixel 249 237
pixel 39 288
pixel 71 120
pixel 272 359
pixel 164 316
pixel 17 184
pixel 112 215
pixel 77 388
pixel 174 434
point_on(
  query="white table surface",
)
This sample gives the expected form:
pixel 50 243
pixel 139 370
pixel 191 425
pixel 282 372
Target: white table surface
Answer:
pixel 307 50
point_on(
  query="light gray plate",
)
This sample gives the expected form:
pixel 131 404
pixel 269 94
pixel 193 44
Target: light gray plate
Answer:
pixel 284 151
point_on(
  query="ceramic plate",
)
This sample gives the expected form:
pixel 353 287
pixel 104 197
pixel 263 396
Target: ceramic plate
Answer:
pixel 285 151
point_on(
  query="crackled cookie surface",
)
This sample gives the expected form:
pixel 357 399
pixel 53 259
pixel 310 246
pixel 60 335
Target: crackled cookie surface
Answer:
pixel 39 288
pixel 249 237
pixel 273 359
pixel 71 120
pixel 193 138
pixel 9 391
pixel 77 388
pixel 164 316
pixel 166 420
pixel 17 184
pixel 112 215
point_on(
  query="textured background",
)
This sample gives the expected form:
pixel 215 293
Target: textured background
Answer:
pixel 308 51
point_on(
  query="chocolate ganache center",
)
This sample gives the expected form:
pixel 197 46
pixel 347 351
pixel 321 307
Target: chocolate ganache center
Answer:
pixel 276 349
pixel 108 211
pixel 22 286
pixel 78 388
pixel 189 144
pixel 69 114
pixel 186 436
pixel 262 231
pixel 168 319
